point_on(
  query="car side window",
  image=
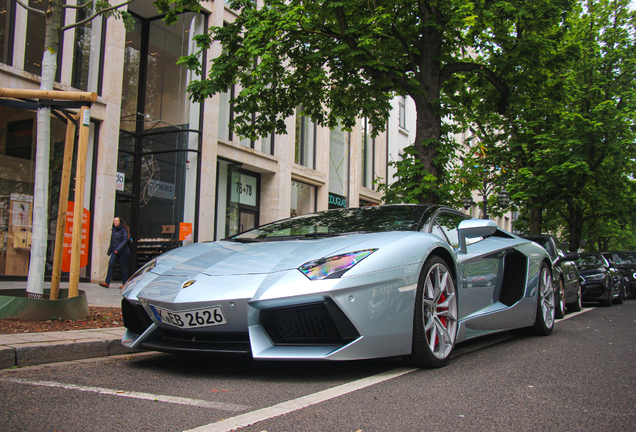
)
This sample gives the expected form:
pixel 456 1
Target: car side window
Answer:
pixel 436 230
pixel 448 223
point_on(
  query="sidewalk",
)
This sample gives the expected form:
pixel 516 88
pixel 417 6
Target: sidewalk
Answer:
pixel 28 349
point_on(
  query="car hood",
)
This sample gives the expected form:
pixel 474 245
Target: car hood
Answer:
pixel 233 258
pixel 591 270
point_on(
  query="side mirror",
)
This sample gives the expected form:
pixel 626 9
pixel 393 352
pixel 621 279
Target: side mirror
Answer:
pixel 569 256
pixel 474 228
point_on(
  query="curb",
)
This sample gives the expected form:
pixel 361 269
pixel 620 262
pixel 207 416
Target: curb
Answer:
pixel 32 354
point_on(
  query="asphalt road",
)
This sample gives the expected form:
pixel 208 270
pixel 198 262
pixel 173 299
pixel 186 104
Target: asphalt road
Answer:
pixel 581 378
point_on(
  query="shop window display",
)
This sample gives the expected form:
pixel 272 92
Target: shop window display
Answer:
pixel 17 171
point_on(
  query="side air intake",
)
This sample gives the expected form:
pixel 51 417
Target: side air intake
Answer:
pixel 514 278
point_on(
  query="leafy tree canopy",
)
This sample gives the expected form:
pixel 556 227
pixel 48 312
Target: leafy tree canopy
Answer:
pixel 347 59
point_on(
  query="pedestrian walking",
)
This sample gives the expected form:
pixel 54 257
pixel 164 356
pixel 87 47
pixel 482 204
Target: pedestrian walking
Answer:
pixel 118 250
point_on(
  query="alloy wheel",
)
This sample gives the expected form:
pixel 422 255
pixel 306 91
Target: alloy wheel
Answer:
pixel 440 311
pixel 547 300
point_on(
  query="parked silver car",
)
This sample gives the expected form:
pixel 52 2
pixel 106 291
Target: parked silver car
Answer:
pixel 345 284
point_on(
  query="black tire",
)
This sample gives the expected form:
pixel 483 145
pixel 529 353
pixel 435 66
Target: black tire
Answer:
pixel 607 301
pixel 559 311
pixel 577 305
pixel 621 296
pixel 544 321
pixel 435 317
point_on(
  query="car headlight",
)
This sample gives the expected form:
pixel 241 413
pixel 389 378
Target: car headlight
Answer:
pixel 145 269
pixel 595 277
pixel 334 266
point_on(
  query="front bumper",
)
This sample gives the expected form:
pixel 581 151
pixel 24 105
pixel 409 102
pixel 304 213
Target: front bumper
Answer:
pixel 358 317
pixel 593 291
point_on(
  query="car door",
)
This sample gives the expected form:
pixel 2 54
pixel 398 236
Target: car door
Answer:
pixel 480 270
pixel 570 275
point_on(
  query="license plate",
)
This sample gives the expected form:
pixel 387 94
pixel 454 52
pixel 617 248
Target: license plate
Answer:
pixel 204 317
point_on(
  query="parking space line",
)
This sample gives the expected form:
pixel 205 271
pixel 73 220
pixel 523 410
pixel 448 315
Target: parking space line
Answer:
pixel 134 395
pixel 249 418
pixel 573 314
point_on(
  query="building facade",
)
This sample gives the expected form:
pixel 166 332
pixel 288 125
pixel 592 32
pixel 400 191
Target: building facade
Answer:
pixel 169 167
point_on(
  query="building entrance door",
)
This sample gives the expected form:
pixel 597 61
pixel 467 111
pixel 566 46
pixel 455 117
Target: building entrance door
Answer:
pixel 248 219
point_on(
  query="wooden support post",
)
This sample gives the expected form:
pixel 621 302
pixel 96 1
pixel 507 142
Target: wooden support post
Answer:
pixel 48 94
pixel 80 178
pixel 62 207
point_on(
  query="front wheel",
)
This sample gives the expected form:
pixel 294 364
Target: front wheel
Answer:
pixel 435 316
pixel 544 322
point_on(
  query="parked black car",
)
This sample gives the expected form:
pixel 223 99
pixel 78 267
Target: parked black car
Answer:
pixel 600 281
pixel 625 262
pixel 564 272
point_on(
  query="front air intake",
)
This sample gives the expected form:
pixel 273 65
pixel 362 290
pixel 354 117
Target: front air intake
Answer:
pixel 135 317
pixel 308 324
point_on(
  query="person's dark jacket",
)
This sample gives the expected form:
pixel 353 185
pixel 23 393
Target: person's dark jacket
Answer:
pixel 118 241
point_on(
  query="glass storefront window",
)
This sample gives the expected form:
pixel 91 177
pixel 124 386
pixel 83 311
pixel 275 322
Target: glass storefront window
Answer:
pixel 237 200
pixel 368 155
pixel 303 199
pixel 225 111
pixel 35 38
pixel 6 43
pixel 159 140
pixel 87 53
pixel 305 141
pixel 166 82
pixel 130 84
pixel 17 167
pixel 339 145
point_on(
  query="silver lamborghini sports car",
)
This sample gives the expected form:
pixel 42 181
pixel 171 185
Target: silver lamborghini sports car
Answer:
pixel 356 283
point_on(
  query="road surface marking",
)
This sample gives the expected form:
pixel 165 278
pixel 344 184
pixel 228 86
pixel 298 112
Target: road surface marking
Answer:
pixel 249 418
pixel 133 395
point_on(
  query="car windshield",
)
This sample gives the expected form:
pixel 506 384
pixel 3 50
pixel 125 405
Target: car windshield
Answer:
pixel 339 222
pixel 626 259
pixel 590 261
pixel 543 241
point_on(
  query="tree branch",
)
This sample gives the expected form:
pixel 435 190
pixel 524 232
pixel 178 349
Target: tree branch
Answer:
pixel 30 9
pixel 502 88
pixel 95 15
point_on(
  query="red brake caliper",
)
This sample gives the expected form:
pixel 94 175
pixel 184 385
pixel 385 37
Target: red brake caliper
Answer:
pixel 443 320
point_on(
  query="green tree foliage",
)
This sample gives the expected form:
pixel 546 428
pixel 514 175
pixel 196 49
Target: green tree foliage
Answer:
pixel 568 136
pixel 347 59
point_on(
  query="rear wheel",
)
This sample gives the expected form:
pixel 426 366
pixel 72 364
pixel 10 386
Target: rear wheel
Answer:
pixel 621 296
pixel 560 301
pixel 435 316
pixel 544 322
pixel 577 305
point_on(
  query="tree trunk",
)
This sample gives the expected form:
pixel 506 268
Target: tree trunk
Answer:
pixel 37 262
pixel 427 136
pixel 536 218
pixel 427 104
pixel 575 225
